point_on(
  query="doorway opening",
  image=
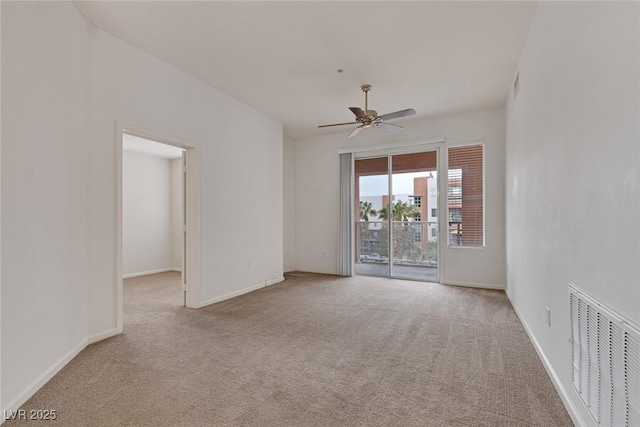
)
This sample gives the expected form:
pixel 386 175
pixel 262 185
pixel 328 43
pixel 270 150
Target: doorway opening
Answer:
pixel 397 216
pixel 157 221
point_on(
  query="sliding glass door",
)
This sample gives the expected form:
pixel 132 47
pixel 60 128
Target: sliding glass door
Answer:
pixel 371 228
pixel 396 227
pixel 414 205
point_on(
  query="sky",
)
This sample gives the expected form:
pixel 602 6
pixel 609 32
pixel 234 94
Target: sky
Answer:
pixel 377 185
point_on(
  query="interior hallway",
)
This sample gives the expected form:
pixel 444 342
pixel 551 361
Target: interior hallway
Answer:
pixel 313 350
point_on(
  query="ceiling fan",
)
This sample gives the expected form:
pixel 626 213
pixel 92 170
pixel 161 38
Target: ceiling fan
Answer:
pixel 367 118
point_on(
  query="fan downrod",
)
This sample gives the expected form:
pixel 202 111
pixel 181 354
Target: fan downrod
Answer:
pixel 371 113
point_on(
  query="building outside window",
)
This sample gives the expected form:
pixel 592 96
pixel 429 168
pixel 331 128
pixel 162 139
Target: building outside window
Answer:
pixel 416 201
pixel 417 235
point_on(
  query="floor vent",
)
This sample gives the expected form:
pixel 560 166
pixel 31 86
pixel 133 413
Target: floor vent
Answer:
pixel 605 353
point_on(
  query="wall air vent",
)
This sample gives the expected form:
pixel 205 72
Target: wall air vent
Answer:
pixel 605 354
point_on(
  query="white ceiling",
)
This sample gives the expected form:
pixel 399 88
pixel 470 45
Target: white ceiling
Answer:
pixel 282 57
pixel 139 145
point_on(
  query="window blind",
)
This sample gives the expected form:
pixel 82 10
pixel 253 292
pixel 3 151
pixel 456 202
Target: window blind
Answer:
pixel 465 196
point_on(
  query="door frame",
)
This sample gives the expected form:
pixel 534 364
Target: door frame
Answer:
pixel 192 204
pixel 438 145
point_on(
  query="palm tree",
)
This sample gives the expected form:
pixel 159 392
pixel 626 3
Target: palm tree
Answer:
pixel 366 210
pixel 401 211
pixel 403 236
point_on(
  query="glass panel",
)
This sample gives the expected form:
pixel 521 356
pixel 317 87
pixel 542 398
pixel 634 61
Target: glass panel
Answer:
pixel 372 233
pixel 414 212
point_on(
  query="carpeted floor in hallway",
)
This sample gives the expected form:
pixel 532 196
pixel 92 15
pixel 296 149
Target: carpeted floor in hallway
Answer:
pixel 315 350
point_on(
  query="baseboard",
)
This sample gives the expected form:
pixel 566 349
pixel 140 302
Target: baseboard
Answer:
pixel 568 404
pixel 44 378
pixel 144 273
pixel 102 335
pixel 230 295
pixel 274 281
pixel 240 292
pixel 475 285
pixel 179 269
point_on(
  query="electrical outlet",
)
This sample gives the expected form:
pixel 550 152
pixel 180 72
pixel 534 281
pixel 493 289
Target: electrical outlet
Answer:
pixel 548 317
pixel 250 264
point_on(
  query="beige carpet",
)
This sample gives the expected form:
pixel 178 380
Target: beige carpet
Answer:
pixel 314 350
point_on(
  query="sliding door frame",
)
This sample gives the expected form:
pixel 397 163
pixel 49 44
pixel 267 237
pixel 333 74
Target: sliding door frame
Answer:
pixel 389 151
pixel 390 214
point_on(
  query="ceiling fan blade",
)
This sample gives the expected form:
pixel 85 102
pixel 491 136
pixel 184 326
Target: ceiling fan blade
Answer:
pixel 356 131
pixel 358 112
pixel 389 126
pixel 398 114
pixel 338 124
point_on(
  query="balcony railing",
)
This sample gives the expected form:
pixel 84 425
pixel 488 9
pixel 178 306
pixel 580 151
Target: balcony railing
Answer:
pixel 414 242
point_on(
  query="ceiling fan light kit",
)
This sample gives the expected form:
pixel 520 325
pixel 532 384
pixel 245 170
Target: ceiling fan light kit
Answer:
pixel 369 118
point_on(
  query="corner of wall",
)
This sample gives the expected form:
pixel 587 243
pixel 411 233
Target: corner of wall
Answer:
pixel 289 203
pixel 1 403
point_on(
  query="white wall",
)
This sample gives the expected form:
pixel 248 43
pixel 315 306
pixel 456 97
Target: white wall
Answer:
pixel 147 239
pixel 289 189
pixel 176 214
pixel 573 139
pixel 65 83
pixel 317 194
pixel 45 76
